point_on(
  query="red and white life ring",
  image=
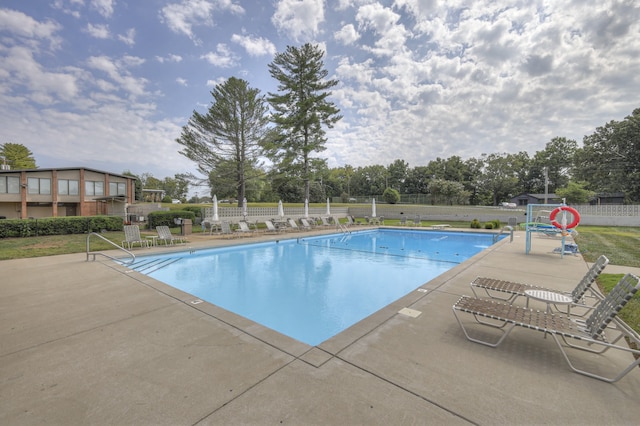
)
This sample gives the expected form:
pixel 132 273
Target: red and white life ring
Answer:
pixel 574 212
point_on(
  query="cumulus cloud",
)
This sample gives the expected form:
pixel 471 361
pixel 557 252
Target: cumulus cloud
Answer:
pixel 182 17
pixel 299 19
pixel 104 7
pixel 118 71
pixel 347 34
pixel 255 46
pixel 98 31
pixel 21 25
pixel 223 57
pixel 129 37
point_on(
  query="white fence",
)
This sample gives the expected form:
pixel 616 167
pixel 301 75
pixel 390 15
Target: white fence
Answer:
pixel 603 215
pixel 261 213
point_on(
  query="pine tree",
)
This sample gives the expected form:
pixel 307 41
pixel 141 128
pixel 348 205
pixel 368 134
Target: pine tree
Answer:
pixel 300 109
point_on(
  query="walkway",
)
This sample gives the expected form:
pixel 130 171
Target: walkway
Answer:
pixel 92 343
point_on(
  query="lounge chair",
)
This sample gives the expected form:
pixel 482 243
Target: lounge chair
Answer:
pixel 403 221
pixel 305 224
pixel 325 221
pixel 293 225
pixel 244 228
pixel 132 237
pixel 509 291
pixel 567 332
pixel 225 229
pixel 416 221
pixel 210 226
pixel 164 234
pixel 271 227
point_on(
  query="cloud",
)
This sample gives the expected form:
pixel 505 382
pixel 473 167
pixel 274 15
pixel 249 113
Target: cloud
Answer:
pixel 182 17
pixel 128 37
pixel 38 84
pixel 299 19
pixel 24 26
pixel 181 81
pixel 169 58
pixel 117 71
pixel 222 57
pixel 255 46
pixel 98 31
pixel 347 34
pixel 104 7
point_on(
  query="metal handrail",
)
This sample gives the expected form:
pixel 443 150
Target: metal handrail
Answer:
pixel 94 253
pixel 507 227
pixel 342 228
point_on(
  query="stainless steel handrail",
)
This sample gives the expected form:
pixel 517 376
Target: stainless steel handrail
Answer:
pixel 94 253
pixel 509 228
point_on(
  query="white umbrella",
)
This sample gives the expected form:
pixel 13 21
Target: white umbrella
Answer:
pixel 245 213
pixel 280 209
pixel 373 208
pixel 306 207
pixel 328 208
pixel 215 208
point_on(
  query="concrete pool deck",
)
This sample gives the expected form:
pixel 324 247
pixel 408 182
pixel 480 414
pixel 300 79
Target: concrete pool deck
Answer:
pixel 94 343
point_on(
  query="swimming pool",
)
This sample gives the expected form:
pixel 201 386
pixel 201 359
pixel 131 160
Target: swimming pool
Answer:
pixel 313 288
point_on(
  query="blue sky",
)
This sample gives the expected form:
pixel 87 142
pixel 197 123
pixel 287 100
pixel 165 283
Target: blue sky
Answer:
pixel 108 84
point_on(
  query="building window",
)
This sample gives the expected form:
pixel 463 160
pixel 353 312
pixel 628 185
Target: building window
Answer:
pixel 9 185
pixel 39 186
pixel 117 188
pixel 93 188
pixel 67 187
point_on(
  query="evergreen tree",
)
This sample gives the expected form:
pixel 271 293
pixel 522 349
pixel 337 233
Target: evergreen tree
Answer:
pixel 300 108
pixel 16 156
pixel 229 134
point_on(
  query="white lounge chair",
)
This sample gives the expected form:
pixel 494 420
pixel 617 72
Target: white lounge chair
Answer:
pixel 305 224
pixel 509 291
pixel 132 237
pixel 293 225
pixel 271 227
pixel 602 329
pixel 244 228
pixel 164 234
pixel 225 229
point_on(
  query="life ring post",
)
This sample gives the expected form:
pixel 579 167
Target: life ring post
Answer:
pixel 574 213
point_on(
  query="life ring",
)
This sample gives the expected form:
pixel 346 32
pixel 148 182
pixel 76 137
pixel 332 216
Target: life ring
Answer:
pixel 574 212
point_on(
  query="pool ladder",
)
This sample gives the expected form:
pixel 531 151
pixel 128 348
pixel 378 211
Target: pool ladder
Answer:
pixel 508 228
pixel 342 228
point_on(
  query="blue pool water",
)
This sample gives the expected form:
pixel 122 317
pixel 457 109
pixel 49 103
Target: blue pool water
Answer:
pixel 313 288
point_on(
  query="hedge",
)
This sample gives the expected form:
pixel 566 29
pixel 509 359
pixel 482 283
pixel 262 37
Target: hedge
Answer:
pixel 164 218
pixel 58 226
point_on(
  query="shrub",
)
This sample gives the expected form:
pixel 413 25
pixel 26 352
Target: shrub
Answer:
pixel 475 224
pixel 488 225
pixel 162 218
pixel 59 225
pixel 391 196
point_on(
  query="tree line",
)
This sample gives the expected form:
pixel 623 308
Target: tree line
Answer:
pixel 243 131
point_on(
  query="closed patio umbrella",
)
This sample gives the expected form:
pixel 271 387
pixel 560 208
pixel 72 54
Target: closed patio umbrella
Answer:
pixel 306 207
pixel 280 209
pixel 328 207
pixel 215 208
pixel 245 213
pixel 373 208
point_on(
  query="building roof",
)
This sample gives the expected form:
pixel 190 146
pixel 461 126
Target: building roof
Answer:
pixel 49 169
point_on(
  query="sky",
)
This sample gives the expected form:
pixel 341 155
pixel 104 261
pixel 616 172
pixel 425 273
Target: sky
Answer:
pixel 108 84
